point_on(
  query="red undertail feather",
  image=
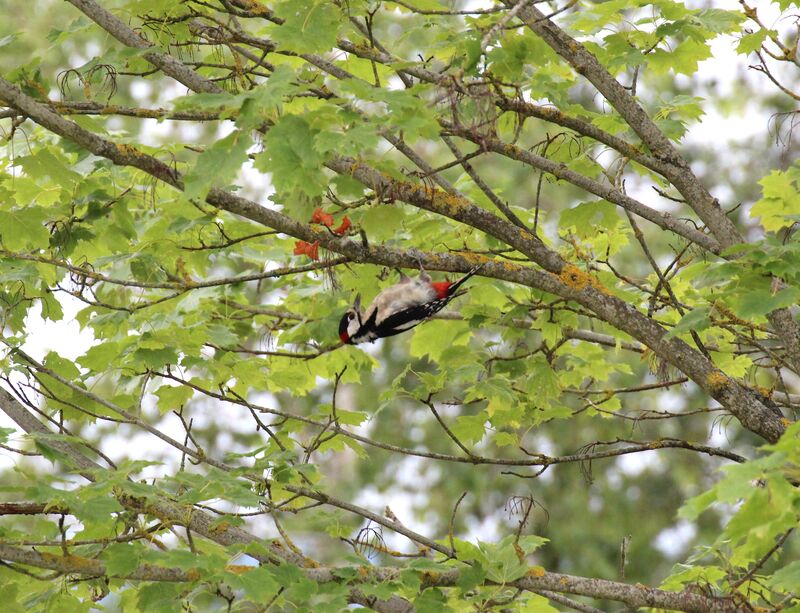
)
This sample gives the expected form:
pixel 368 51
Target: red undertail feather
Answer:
pixel 442 288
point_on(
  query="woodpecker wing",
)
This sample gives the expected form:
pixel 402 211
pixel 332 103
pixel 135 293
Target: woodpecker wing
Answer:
pixel 410 317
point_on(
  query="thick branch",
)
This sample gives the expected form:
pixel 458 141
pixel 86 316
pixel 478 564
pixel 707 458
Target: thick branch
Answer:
pixel 632 595
pixel 566 280
pixel 119 30
pixel 586 64
pixel 608 192
pixel 30 508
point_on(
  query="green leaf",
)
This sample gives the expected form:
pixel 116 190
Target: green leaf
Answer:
pixel 585 218
pixel 695 320
pixel 757 303
pixel 63 602
pixel 470 428
pixel 786 578
pixel 24 228
pixel 781 202
pixel 531 542
pixel 435 337
pixel 470 577
pixel 218 165
pixel 9 596
pixel 506 561
pixel 61 366
pixel 121 559
pixel 751 42
pixel 534 603
pixel 99 356
pixel 43 163
pixel 159 597
pixel 432 600
pixel 309 26
pixel 291 157
pixel 172 398
pixel 682 59
pixel 720 21
pixel 692 508
pixel 258 583
pixel 263 102
pixel 5 433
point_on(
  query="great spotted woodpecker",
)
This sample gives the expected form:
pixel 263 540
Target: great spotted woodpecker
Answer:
pixel 399 308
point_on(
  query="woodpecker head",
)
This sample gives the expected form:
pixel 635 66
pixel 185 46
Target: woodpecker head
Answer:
pixel 350 322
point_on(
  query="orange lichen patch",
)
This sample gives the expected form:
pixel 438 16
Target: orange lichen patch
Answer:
pixel 256 7
pixel 220 527
pixel 75 563
pixel 786 422
pixel 79 562
pixel 180 267
pixel 510 266
pixel 449 204
pixel 536 571
pixel 38 87
pixel 50 557
pixel 656 444
pixel 563 581
pixel 764 391
pixel 577 279
pixel 716 381
pixel 128 150
pixel 574 277
pixel 193 574
pixel 473 258
pixel 430 577
pixel 239 569
pixel 363 571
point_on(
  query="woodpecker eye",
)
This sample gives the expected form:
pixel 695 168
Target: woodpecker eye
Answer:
pixel 350 316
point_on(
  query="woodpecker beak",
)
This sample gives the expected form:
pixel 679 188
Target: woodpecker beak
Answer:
pixel 357 303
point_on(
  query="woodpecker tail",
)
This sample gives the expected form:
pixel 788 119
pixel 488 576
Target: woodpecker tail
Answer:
pixel 453 287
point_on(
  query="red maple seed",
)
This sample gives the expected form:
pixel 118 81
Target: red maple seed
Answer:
pixel 319 216
pixel 343 227
pixel 309 249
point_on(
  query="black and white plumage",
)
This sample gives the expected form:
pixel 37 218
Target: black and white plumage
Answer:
pixel 399 308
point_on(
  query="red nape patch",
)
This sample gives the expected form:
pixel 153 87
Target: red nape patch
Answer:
pixel 441 288
pixel 343 336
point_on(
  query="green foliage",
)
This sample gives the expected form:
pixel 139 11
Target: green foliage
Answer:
pixel 765 512
pixel 209 443
pixel 780 204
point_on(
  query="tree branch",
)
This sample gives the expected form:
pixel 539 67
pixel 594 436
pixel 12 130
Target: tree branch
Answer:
pixel 535 581
pixel 566 281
